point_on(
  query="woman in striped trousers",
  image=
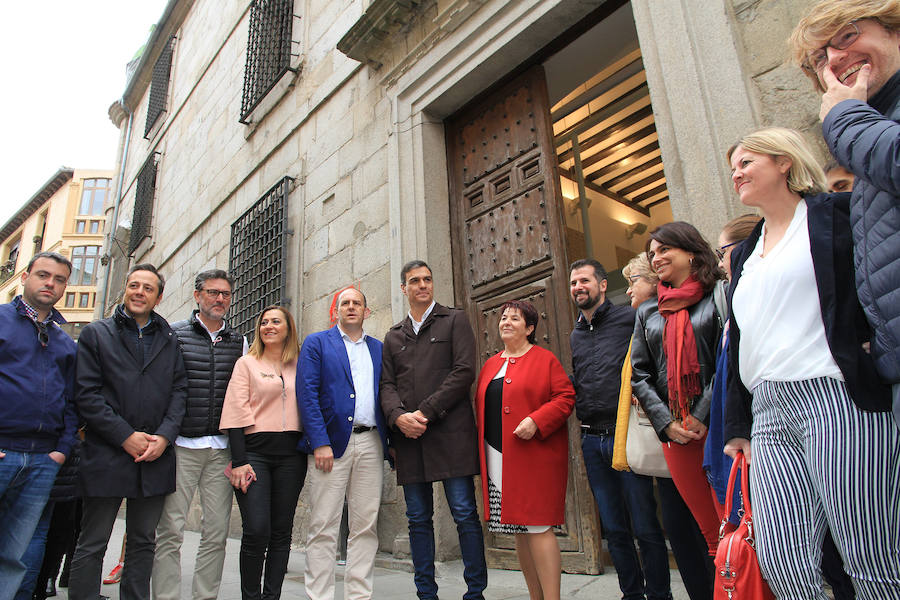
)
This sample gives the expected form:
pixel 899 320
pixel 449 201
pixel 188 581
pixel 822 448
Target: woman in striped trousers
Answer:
pixel 802 387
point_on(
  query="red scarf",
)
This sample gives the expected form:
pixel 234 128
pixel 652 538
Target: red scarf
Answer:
pixel 679 345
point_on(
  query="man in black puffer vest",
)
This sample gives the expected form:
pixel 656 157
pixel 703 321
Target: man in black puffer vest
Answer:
pixel 210 348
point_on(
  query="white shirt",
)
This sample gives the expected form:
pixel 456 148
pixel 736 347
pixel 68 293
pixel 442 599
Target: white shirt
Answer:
pixel 208 441
pixel 418 324
pixel 776 305
pixel 363 374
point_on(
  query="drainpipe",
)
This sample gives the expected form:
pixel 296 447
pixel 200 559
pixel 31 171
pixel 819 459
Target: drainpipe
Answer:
pixel 118 202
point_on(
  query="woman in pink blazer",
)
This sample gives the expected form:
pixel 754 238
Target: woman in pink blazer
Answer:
pixel 261 419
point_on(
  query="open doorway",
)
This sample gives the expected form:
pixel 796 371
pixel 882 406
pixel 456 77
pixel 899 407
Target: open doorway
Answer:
pixel 610 168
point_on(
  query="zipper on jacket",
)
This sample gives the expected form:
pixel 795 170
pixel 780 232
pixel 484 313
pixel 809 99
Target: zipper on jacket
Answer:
pixel 283 403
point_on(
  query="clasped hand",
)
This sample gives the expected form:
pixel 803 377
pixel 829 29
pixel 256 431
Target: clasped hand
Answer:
pixel 412 424
pixel 144 447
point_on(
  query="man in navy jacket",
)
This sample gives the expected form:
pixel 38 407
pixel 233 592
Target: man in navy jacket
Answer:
pixel 851 51
pixel 337 393
pixel 37 417
pixel 130 389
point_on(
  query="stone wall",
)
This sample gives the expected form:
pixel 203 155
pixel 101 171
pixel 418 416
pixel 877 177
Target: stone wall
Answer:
pixel 785 95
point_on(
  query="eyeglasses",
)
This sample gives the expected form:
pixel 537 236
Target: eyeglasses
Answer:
pixel 43 337
pixel 213 294
pixel 842 40
pixel 720 251
pixel 634 278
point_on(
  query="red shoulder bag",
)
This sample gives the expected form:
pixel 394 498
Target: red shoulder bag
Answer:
pixel 737 570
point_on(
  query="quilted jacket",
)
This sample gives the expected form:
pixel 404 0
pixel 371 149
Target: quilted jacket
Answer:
pixel 865 138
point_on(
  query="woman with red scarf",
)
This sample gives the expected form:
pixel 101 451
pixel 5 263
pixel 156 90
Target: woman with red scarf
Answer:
pixel 674 361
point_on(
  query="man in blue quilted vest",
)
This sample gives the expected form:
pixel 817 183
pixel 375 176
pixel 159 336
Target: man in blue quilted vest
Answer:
pixel 850 49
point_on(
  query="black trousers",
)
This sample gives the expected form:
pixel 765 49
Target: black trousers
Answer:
pixel 267 512
pixel 688 544
pixel 98 518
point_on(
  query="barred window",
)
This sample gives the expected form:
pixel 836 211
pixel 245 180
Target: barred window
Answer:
pixel 258 241
pixel 143 202
pixel 159 86
pixel 268 50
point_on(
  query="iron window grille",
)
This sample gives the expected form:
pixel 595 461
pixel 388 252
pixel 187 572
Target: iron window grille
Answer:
pixel 143 203
pixel 257 257
pixel 268 50
pixel 159 86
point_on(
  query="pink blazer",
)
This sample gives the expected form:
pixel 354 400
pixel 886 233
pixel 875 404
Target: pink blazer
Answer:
pixel 258 400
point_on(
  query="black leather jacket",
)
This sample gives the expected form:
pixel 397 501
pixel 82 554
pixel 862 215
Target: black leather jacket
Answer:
pixel 648 376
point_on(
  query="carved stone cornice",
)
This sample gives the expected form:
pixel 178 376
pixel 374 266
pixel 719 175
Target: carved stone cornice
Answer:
pixel 382 19
pixel 446 22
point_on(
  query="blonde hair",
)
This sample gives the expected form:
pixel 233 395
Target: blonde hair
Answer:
pixel 827 17
pixel 291 342
pixel 805 175
pixel 640 266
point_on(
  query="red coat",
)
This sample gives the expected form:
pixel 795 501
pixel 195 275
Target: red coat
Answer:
pixel 534 471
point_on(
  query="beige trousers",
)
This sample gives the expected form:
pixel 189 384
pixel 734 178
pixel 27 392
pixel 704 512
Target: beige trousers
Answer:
pixel 358 474
pixel 200 469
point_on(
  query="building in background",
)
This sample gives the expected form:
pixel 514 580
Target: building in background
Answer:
pixel 308 144
pixel 66 215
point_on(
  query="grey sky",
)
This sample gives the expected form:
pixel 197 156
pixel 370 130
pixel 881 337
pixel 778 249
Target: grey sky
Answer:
pixel 64 64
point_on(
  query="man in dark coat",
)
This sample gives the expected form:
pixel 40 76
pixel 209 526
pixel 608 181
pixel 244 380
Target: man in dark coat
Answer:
pixel 850 49
pixel 130 390
pixel 428 366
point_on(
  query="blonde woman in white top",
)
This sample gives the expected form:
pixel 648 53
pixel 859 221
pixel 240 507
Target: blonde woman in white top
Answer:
pixel 804 400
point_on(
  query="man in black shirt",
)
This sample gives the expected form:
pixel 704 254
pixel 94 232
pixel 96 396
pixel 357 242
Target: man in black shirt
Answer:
pixel 600 343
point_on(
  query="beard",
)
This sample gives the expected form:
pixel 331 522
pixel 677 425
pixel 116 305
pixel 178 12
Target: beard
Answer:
pixel 586 301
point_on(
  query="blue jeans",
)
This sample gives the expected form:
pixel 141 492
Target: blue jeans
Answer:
pixel 34 555
pixel 460 493
pixel 26 479
pixel 618 495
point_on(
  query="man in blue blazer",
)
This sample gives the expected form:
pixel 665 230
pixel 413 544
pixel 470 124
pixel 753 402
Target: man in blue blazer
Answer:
pixel 337 392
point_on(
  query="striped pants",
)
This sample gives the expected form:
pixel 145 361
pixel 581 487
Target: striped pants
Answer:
pixel 819 459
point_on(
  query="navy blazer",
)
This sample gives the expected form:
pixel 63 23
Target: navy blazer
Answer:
pixel 846 327
pixel 325 392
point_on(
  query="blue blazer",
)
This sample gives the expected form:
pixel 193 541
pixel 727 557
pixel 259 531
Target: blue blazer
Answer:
pixel 325 392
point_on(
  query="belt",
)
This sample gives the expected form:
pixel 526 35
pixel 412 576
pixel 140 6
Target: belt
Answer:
pixel 363 428
pixel 598 429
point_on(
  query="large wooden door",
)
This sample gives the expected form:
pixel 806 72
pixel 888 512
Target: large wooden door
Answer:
pixel 508 243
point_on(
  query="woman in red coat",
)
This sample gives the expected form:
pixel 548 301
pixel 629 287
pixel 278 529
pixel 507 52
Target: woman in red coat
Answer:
pixel 523 400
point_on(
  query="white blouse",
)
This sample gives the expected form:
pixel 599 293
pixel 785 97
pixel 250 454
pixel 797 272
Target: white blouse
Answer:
pixel 776 306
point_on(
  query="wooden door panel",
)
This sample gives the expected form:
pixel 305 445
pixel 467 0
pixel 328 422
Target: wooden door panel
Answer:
pixel 508 242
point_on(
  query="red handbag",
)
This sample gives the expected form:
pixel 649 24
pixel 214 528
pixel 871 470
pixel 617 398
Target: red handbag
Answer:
pixel 737 570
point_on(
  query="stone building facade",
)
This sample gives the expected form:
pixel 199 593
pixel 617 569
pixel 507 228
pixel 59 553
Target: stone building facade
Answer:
pixel 310 144
pixel 65 215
